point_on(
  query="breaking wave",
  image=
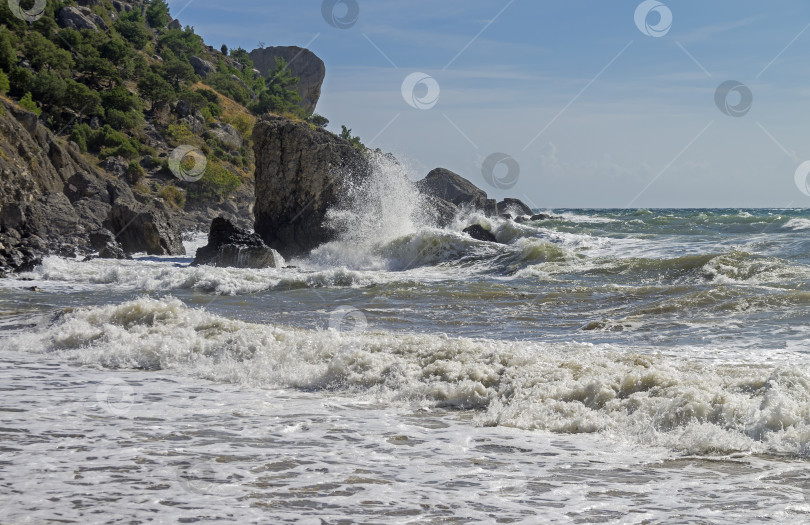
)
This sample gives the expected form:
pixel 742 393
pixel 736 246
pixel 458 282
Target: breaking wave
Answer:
pixel 628 395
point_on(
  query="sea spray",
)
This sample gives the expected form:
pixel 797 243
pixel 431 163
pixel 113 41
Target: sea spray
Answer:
pixel 371 213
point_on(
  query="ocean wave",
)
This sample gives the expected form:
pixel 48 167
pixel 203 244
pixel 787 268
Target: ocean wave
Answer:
pixel 139 275
pixel 686 405
pixel 798 224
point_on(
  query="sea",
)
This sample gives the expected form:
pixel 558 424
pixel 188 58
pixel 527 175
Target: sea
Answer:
pixel 630 366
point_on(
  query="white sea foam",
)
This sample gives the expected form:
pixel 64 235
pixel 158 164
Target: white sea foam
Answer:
pixel 56 274
pixel 695 407
pixel 798 224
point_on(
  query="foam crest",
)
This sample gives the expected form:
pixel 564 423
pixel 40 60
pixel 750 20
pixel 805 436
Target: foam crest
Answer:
pixel 687 405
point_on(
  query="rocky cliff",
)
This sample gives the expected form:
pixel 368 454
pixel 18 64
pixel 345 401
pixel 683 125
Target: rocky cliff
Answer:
pixel 52 200
pixel 300 173
pixel 302 63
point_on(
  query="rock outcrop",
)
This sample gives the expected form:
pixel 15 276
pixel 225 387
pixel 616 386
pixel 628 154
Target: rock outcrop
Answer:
pixel 52 199
pixel 300 173
pixel 453 188
pixel 513 207
pixel 440 211
pixel 144 228
pixel 302 63
pixel 230 246
pixel 202 67
pixel 226 134
pixel 80 18
pixel 476 231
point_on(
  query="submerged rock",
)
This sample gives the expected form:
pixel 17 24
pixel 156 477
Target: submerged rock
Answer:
pixel 544 217
pixel 231 246
pixel 478 232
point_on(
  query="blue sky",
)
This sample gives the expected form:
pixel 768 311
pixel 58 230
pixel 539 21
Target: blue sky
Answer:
pixel 595 112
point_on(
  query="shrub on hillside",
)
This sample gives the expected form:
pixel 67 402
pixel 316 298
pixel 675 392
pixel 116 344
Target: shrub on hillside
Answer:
pixel 4 85
pixel 217 181
pixel 26 102
pixel 131 26
pixel 173 195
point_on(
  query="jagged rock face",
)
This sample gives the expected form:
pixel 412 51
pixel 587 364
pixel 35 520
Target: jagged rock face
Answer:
pixel 300 173
pixel 441 211
pixel 202 67
pixel 52 198
pixel 455 189
pixel 230 246
pixel 142 228
pixel 226 134
pixel 302 63
pixel 80 18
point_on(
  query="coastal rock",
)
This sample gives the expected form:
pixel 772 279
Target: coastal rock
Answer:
pixel 443 184
pixel 80 18
pixel 300 173
pixel 144 228
pixel 230 246
pixel 202 67
pixel 544 217
pixel 441 211
pixel 302 63
pixel 478 232
pixel 513 206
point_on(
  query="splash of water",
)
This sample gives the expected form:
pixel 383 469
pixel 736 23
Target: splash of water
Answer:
pixel 372 213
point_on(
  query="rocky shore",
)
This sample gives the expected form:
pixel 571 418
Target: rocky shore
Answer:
pixel 55 199
pixel 56 202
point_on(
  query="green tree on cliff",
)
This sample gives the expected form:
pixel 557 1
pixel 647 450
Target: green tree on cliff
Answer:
pixel 157 14
pixel 280 95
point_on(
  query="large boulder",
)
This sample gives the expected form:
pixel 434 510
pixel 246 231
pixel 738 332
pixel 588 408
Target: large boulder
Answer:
pixel 230 246
pixel 202 67
pixel 455 189
pixel 440 211
pixel 226 134
pixel 302 63
pixel 144 228
pixel 80 18
pixel 300 173
pixel 513 207
pixel 477 232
